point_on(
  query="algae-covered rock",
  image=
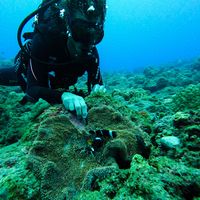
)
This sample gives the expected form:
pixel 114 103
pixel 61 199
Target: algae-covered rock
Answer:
pixel 160 178
pixel 151 72
pixel 189 134
pixel 116 153
pixel 154 85
pixel 185 126
pixel 188 98
pixel 131 94
pixel 16 181
pixel 182 119
pixel 17 119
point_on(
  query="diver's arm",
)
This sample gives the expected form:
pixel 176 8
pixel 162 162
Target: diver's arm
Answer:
pixel 37 72
pixel 38 88
pixel 51 96
pixel 38 84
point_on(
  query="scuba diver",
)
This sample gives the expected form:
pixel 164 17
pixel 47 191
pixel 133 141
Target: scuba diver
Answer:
pixel 61 49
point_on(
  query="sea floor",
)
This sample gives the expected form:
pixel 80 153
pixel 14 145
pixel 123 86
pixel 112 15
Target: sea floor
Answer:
pixel 140 140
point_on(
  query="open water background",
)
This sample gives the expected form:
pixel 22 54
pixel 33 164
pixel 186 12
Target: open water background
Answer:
pixel 138 33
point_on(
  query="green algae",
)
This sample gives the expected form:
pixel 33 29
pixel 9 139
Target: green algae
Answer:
pixel 188 98
pixel 44 153
pixel 160 178
pixel 17 182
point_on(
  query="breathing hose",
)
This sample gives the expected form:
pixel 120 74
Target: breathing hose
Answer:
pixel 23 23
pixel 20 29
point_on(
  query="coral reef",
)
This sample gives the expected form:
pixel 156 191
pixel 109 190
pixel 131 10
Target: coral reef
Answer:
pixel 160 178
pixel 188 98
pixel 48 154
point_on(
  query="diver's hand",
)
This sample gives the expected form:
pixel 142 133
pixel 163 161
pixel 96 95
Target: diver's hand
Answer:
pixel 76 103
pixel 98 88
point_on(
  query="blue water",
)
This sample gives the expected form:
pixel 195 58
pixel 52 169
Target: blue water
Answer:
pixel 138 33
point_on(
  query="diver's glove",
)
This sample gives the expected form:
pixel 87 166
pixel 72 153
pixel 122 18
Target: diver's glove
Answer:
pixel 98 88
pixel 76 103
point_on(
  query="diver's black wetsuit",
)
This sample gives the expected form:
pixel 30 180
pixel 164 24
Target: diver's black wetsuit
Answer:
pixel 49 44
pixel 8 76
pixel 42 80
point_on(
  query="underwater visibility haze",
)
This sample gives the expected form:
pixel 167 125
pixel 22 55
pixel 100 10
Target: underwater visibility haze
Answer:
pixel 138 33
pixel 140 139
